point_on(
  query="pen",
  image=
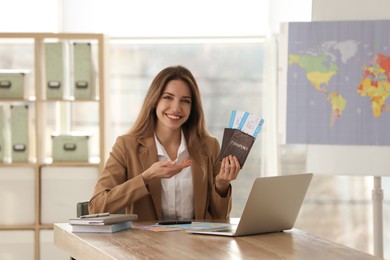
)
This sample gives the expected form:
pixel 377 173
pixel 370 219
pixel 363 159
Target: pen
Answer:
pixel 175 222
pixel 96 215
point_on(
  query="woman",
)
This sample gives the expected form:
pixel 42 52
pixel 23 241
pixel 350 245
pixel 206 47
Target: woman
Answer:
pixel 167 166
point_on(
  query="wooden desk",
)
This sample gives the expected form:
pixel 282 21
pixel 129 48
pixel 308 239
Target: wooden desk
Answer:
pixel 141 244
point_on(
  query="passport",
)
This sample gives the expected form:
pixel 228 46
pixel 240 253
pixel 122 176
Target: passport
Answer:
pixel 236 142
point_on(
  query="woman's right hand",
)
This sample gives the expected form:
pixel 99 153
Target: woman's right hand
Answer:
pixel 161 170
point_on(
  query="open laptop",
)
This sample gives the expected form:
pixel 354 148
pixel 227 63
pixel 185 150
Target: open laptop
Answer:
pixel 273 205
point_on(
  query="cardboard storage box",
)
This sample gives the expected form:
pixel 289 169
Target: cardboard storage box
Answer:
pixel 12 84
pixel 2 130
pixel 54 65
pixel 84 72
pixel 19 133
pixel 70 148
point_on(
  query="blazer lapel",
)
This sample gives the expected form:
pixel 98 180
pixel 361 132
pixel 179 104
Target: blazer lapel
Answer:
pixel 148 156
pixel 199 179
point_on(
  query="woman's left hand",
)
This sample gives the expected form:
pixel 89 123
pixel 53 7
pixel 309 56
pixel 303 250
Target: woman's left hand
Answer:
pixel 230 168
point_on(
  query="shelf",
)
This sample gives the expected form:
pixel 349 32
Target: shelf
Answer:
pixel 33 99
pixel 44 191
pixel 17 227
pixel 68 100
pixel 17 100
pixel 17 164
pixel 78 164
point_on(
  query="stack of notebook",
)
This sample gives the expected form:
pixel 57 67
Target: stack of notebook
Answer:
pixel 102 223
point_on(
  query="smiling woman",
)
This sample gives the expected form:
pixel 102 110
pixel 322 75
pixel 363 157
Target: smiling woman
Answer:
pixel 168 166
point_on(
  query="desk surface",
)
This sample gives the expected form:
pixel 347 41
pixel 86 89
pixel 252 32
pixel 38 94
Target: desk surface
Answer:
pixel 141 244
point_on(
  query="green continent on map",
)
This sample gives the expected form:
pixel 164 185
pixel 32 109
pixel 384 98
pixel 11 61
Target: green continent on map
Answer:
pixel 338 105
pixel 319 75
pixel 316 72
pixel 375 83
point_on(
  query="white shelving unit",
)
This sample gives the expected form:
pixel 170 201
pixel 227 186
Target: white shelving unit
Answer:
pixel 39 192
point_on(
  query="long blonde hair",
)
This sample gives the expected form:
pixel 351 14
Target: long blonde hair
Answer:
pixel 194 128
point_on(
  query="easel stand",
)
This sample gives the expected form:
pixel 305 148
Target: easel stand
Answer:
pixel 377 199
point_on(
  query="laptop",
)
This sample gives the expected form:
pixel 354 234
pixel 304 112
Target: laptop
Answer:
pixel 272 206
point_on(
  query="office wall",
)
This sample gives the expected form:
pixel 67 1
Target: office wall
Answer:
pixel 331 10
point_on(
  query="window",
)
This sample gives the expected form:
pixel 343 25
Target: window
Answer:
pixel 30 16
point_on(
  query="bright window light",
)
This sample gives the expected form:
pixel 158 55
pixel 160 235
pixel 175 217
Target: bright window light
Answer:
pixel 156 18
pixel 29 16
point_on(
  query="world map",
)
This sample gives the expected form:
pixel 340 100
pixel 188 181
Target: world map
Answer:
pixel 338 83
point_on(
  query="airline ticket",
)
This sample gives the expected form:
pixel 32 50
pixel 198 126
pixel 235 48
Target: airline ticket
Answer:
pixel 246 122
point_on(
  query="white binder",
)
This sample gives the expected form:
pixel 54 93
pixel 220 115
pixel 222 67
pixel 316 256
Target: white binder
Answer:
pixel 83 69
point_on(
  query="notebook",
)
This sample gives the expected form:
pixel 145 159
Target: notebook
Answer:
pixel 273 205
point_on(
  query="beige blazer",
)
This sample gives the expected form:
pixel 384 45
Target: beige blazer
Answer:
pixel 122 186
